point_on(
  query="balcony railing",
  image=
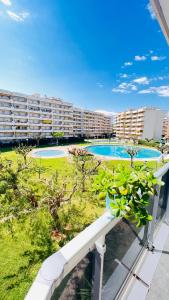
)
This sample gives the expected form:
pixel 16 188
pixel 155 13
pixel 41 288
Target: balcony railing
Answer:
pixel 98 262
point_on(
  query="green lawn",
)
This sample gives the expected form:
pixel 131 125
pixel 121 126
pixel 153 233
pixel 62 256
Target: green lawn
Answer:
pixel 63 166
pixel 20 257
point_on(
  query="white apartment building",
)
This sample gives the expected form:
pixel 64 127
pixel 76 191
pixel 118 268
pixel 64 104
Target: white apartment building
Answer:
pixel 28 117
pixel 96 124
pixel 140 124
pixel 161 9
pixel 166 128
pixel 90 123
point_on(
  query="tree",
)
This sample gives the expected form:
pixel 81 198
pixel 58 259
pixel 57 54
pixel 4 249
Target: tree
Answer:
pixel 148 140
pixel 163 149
pixel 38 138
pixel 57 136
pixel 57 194
pixel 23 150
pixel 85 164
pixel 134 138
pixel 12 179
pixel 132 152
pixel 39 169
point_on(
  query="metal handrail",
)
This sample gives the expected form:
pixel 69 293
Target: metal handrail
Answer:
pixel 159 173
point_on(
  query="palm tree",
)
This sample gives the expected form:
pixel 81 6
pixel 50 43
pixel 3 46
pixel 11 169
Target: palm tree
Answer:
pixel 132 152
pixel 57 136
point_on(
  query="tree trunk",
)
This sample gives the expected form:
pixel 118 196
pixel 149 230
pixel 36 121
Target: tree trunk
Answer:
pixel 25 159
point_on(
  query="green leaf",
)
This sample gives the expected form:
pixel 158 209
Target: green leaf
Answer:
pixel 149 218
pixel 102 196
pixel 116 212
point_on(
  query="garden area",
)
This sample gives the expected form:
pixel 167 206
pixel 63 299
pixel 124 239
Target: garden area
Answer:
pixel 44 203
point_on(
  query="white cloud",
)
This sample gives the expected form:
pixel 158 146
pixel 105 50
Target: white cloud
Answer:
pixel 151 11
pixel 20 17
pixel 133 87
pixel 155 58
pixel 128 63
pixel 121 91
pixel 164 77
pixel 125 88
pixel 161 91
pixel 140 58
pixel 123 75
pixel 142 80
pixel 6 2
pixel 100 85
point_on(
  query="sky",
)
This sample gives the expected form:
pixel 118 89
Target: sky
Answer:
pixel 102 55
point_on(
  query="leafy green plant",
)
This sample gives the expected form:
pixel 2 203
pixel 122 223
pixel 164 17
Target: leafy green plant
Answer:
pixel 148 142
pixel 129 191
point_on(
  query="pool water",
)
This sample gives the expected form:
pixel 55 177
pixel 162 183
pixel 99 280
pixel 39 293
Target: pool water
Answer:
pixel 119 151
pixel 49 153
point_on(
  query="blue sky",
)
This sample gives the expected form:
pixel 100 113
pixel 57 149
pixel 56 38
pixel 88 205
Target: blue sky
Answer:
pixel 102 55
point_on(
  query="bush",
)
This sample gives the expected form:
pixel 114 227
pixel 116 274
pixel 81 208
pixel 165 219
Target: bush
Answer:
pixel 150 143
pixel 129 192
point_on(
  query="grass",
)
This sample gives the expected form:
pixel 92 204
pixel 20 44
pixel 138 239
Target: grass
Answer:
pixel 20 258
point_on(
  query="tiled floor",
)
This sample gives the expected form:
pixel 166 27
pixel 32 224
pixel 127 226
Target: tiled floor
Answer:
pixel 153 272
pixel 159 289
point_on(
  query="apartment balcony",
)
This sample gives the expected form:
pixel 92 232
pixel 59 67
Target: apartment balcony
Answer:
pixel 24 130
pixel 7 138
pixel 13 137
pixel 112 259
pixel 11 109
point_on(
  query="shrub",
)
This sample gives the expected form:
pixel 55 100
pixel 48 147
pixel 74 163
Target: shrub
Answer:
pixel 129 191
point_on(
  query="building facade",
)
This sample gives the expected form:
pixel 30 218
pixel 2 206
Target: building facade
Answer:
pixel 30 117
pixel 166 128
pixel 140 124
pixel 161 9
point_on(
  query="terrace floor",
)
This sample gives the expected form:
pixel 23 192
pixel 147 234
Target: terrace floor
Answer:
pixel 153 271
pixel 159 288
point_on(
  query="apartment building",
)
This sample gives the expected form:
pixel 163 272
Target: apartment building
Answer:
pixel 166 128
pixel 30 117
pixel 140 124
pixel 96 124
pixel 161 9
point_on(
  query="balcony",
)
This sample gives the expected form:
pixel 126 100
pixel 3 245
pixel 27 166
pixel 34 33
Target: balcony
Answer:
pixel 111 259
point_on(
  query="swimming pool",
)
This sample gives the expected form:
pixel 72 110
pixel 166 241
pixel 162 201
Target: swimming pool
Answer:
pixel 48 153
pixel 119 151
